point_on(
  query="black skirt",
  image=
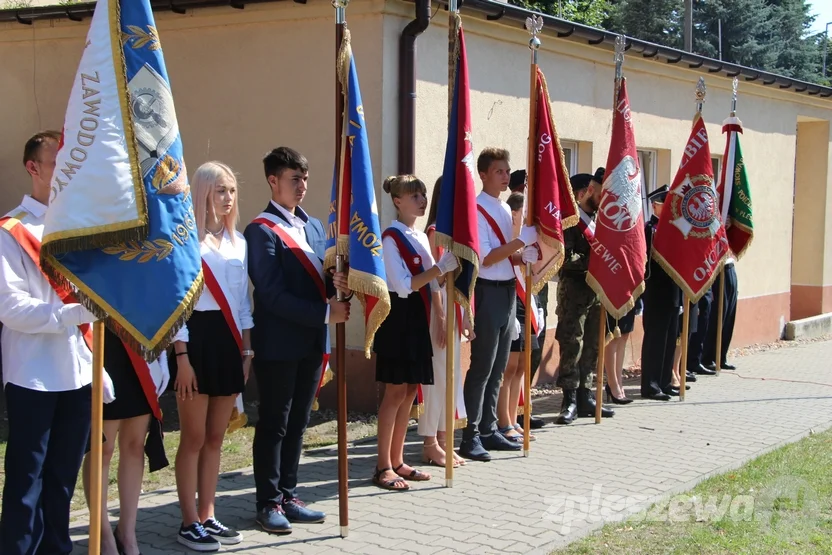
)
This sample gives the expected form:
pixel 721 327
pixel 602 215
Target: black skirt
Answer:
pixel 517 346
pixel 130 399
pixel 213 354
pixel 404 354
pixel 626 324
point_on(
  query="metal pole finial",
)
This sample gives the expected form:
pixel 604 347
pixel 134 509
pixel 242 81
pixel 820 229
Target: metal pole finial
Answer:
pixel 620 48
pixel 734 86
pixel 340 10
pixel 701 91
pixel 534 25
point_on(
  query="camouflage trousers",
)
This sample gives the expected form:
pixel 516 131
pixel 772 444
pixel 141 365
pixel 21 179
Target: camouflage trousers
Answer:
pixel 579 312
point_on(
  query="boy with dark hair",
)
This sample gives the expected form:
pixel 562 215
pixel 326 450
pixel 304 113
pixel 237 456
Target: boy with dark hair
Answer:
pixel 294 301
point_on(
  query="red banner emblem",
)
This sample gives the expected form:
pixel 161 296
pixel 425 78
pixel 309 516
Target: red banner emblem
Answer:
pixel 690 241
pixel 618 257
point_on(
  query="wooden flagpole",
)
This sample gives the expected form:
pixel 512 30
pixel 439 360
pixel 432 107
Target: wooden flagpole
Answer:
pixel 685 333
pixel 96 434
pixel 721 303
pixel 450 297
pixel 533 25
pixel 700 103
pixel 599 369
pixel 602 324
pixel 340 263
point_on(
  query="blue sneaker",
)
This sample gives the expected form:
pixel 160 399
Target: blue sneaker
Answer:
pixel 296 511
pixel 273 520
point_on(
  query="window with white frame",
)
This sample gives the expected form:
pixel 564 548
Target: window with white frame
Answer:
pixel 647 163
pixel 570 156
pixel 716 162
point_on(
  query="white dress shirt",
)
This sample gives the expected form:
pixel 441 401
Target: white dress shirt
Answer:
pixel 233 257
pixel 398 276
pixel 501 213
pixel 296 231
pixel 40 352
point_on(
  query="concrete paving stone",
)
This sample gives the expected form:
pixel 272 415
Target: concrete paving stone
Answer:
pixel 648 450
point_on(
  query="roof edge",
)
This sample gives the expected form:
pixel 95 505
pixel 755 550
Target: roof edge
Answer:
pixel 493 10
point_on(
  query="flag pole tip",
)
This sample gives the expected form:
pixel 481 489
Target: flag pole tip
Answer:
pixel 534 25
pixel 526 453
pixel 449 482
pixel 345 531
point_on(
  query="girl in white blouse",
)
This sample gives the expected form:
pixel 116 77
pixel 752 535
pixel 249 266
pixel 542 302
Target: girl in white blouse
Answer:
pixel 212 356
pixel 403 342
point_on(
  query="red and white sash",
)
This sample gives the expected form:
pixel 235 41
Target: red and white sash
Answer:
pixel 313 266
pixel 31 246
pixel 520 281
pixel 587 225
pixel 304 253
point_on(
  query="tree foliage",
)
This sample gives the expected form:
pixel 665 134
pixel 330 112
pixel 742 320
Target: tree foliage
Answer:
pixel 588 12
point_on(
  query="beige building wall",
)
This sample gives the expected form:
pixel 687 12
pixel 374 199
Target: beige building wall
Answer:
pixel 249 80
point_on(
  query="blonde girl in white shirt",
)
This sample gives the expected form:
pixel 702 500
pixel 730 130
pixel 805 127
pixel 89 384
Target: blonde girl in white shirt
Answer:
pixel 212 356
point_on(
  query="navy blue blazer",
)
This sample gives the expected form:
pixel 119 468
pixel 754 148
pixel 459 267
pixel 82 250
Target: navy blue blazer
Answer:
pixel 288 310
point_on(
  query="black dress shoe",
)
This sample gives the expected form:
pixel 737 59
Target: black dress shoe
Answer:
pixel 535 423
pixel 690 376
pixel 569 407
pixel 710 366
pixel 702 370
pixel 586 405
pixel 498 442
pixel 672 391
pixel 656 396
pixel 726 366
pixel 473 449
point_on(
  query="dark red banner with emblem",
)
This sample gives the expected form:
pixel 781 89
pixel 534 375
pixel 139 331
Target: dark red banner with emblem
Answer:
pixel 690 241
pixel 619 252
pixel 554 207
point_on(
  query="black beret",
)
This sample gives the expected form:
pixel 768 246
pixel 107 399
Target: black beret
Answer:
pixel 518 181
pixel 580 181
pixel 599 175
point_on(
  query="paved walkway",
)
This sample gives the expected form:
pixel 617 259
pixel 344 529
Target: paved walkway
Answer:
pixel 649 450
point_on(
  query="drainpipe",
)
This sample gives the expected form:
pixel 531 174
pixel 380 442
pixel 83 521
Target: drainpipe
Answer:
pixel 407 87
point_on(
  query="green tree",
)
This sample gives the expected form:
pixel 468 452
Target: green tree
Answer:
pixel 799 55
pixel 747 31
pixel 588 12
pixel 658 21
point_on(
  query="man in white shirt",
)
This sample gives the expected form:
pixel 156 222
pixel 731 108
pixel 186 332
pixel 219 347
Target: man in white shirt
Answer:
pixel 494 300
pixel 47 372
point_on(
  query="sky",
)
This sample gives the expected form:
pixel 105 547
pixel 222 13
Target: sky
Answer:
pixel 823 10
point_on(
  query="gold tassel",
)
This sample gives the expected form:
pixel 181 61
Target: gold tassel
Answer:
pixel 617 333
pixel 608 338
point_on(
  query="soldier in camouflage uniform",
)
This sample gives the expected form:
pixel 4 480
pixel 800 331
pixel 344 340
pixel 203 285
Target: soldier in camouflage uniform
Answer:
pixel 579 309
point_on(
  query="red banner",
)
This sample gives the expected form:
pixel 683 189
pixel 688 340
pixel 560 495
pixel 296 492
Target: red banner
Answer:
pixel 690 241
pixel 619 252
pixel 553 207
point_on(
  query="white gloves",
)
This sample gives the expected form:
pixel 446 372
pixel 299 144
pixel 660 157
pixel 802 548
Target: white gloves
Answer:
pixel 447 263
pixel 518 329
pixel 530 254
pixel 541 320
pixel 528 234
pixel 75 314
pixel 109 389
pixel 160 373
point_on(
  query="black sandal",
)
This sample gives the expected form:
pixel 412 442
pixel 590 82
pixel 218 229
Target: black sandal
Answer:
pixel 392 485
pixel 415 475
